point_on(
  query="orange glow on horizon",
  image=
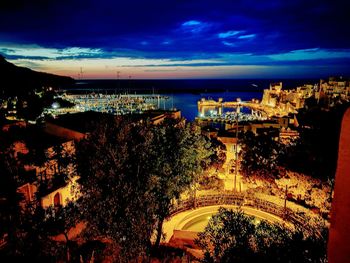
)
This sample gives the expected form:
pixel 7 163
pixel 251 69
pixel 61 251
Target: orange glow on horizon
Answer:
pixel 107 69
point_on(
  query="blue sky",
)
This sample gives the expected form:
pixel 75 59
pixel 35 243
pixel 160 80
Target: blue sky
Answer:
pixel 178 39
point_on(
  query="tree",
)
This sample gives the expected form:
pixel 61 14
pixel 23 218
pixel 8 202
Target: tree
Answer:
pixel 232 236
pixel 65 164
pixel 131 172
pixel 116 202
pixel 10 210
pixel 20 222
pixel 227 236
pixel 60 220
pixel 35 106
pixel 218 157
pixel 260 155
pixel 315 153
pixel 33 240
pixel 179 156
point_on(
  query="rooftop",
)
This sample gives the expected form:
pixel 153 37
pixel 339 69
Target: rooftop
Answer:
pixel 32 136
pixel 82 122
pixel 85 122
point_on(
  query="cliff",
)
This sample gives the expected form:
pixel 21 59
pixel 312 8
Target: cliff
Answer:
pixel 16 80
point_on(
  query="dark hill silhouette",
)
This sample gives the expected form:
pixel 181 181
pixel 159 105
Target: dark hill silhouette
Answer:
pixel 16 80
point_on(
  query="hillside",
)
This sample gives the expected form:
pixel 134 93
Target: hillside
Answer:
pixel 16 80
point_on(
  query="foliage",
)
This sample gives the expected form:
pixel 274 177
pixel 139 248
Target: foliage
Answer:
pixel 210 182
pixel 259 154
pixel 306 190
pixel 28 239
pixel 9 197
pixel 23 224
pixel 232 236
pixel 30 106
pixel 130 172
pixel 34 106
pixel 218 157
pixel 32 240
pixel 59 220
pixel 179 155
pixel 316 152
pixel 112 163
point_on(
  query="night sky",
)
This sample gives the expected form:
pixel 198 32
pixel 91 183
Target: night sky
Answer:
pixel 178 39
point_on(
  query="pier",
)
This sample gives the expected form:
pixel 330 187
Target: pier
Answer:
pixel 258 111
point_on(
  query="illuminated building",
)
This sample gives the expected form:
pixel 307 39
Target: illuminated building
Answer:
pixel 41 180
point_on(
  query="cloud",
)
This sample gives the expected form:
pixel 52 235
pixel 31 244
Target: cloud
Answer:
pixel 33 51
pixel 247 36
pixel 195 26
pixel 229 44
pixel 311 54
pixel 251 31
pixel 30 64
pixel 162 70
pixel 228 34
pixel 191 23
pixel 133 58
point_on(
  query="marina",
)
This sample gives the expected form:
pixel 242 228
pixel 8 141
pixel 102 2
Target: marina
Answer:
pixel 118 104
pixel 231 111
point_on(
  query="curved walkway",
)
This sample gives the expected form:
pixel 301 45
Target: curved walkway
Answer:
pixel 197 219
pixel 188 212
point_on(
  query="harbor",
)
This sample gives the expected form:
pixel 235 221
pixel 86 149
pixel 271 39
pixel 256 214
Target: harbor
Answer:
pixel 118 104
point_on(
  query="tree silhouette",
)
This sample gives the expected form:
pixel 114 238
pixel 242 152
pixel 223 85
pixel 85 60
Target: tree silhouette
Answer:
pixel 179 155
pixel 59 220
pixel 260 155
pixel 232 236
pixel 130 173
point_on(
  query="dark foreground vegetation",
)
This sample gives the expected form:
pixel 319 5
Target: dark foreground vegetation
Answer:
pixel 130 173
pixel 232 236
pixel 314 153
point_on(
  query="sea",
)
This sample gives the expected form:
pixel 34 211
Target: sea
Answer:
pixel 185 93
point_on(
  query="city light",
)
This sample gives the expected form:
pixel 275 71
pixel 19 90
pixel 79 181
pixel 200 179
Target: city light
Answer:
pixel 55 105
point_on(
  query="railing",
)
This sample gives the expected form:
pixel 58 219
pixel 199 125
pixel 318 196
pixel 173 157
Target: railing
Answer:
pixel 238 199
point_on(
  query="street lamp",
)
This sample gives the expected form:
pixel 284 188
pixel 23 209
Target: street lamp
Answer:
pixel 285 199
pixel 236 169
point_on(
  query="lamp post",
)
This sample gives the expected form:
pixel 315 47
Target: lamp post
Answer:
pixel 236 169
pixel 285 198
pixel 285 202
pixel 194 194
pixel 195 197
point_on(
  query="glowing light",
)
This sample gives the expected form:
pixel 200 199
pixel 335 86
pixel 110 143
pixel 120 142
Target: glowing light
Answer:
pixel 55 105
